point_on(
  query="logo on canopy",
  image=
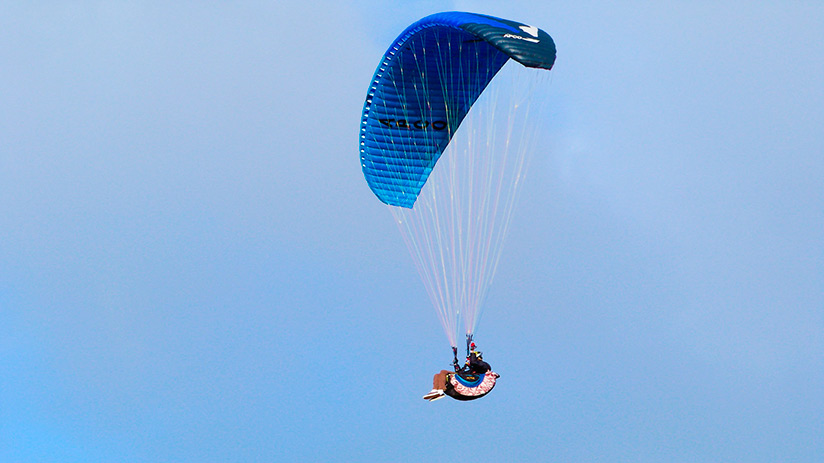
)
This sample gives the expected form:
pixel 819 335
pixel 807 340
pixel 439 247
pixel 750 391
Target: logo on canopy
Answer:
pixel 531 30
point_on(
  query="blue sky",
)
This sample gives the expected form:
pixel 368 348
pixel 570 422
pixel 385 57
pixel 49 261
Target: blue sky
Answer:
pixel 192 267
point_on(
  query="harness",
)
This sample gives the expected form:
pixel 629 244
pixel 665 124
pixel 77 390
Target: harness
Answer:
pixel 461 388
pixel 465 385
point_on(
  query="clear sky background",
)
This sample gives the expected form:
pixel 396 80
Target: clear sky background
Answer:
pixel 192 267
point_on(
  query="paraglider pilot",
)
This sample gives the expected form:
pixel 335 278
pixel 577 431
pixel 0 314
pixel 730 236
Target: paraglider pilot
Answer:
pixel 474 365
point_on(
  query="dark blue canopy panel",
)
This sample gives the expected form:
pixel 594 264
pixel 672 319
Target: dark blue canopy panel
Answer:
pixel 425 85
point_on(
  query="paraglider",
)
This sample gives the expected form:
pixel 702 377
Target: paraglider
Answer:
pixel 451 175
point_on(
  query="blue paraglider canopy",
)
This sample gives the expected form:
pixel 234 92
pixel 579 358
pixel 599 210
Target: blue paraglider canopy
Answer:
pixel 423 88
